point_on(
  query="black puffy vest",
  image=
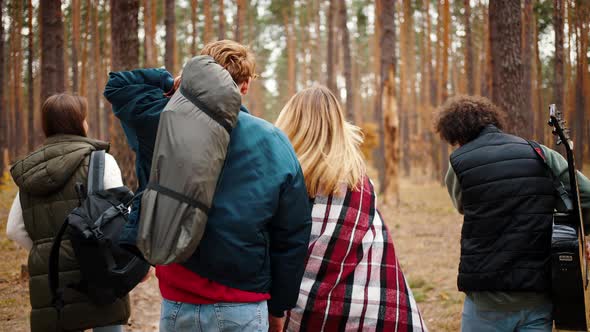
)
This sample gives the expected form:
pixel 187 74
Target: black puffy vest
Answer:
pixel 508 201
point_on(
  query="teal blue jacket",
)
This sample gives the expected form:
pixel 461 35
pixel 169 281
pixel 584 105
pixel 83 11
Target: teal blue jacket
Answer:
pixel 258 229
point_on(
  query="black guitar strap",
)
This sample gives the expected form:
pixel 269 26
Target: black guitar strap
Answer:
pixel 559 187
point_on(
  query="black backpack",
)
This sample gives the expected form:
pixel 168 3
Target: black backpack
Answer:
pixel 107 271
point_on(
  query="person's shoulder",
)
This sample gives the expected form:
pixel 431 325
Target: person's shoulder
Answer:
pixel 264 128
pixel 253 122
pixel 272 137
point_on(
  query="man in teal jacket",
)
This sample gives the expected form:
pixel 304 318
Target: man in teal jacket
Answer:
pixel 256 238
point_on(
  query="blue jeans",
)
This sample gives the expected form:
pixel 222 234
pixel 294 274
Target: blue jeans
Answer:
pixel 528 320
pixel 222 317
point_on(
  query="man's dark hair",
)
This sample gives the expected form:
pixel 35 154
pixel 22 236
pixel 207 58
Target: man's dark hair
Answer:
pixel 461 118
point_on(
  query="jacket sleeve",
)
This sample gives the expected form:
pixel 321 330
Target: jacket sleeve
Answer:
pixel 289 239
pixel 454 188
pixel 558 166
pixel 112 173
pixel 132 92
pixel 15 228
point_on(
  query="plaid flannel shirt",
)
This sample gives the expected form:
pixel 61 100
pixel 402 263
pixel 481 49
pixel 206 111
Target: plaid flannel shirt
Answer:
pixel 352 280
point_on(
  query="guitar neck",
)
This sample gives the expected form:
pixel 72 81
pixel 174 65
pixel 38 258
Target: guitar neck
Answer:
pixel 574 189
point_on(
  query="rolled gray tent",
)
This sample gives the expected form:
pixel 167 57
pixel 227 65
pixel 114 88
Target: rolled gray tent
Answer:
pixel 191 146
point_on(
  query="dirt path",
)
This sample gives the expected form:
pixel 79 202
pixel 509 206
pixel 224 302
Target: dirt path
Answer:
pixel 425 229
pixel 145 304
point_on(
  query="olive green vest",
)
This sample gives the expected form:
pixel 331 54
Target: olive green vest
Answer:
pixel 46 180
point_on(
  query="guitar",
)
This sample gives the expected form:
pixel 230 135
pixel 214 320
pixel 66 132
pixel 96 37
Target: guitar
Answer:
pixel 569 266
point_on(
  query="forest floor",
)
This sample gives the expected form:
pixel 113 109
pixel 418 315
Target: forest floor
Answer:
pixel 425 229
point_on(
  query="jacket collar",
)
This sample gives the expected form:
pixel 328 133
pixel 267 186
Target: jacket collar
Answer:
pixel 244 109
pixel 489 129
pixel 61 138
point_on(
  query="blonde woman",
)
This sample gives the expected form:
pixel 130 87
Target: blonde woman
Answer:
pixel 352 278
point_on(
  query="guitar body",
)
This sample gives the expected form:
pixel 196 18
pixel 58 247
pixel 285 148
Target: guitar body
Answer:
pixel 570 301
pixel 569 267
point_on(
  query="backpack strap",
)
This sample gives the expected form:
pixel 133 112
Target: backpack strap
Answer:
pixel 54 267
pixel 96 171
pixel 559 187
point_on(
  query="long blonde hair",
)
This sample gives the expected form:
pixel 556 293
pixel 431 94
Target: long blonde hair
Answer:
pixel 327 146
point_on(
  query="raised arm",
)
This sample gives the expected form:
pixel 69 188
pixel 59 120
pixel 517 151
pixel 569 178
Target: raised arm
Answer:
pixel 131 93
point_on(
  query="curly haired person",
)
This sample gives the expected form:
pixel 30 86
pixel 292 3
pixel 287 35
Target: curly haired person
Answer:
pixel 501 185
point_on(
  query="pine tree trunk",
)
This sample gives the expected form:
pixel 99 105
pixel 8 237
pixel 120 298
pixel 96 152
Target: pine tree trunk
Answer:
pixel 390 118
pixel 52 48
pixel 291 54
pixel 194 8
pixel 444 78
pixel 75 43
pixel 67 55
pixel 208 34
pixel 304 25
pixel 507 74
pixel 426 92
pixel 538 107
pixel 586 71
pixel 443 70
pixel 477 46
pixel 331 79
pixel 150 56
pixel 403 99
pixel 427 56
pixel 84 74
pixel 240 20
pixel 317 44
pixel 486 83
pixel 97 73
pixel 379 153
pixel 221 29
pixel 528 62
pixel 347 61
pixel 30 85
pixel 468 49
pixel 170 22
pixel 569 72
pixel 438 69
pixel 105 45
pixel 9 87
pixel 358 106
pixel 3 119
pixel 558 80
pixel 156 20
pixel 124 56
pixel 20 134
pixel 581 13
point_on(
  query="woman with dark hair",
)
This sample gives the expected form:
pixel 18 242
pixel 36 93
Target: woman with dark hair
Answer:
pixel 501 184
pixel 46 179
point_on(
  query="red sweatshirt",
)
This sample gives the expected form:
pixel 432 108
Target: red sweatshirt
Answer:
pixel 179 284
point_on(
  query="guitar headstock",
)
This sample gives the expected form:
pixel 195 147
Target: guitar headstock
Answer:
pixel 559 126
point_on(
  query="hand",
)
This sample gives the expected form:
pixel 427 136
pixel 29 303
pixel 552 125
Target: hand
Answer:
pixel 275 324
pixel 588 250
pixel 175 87
pixel 147 276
